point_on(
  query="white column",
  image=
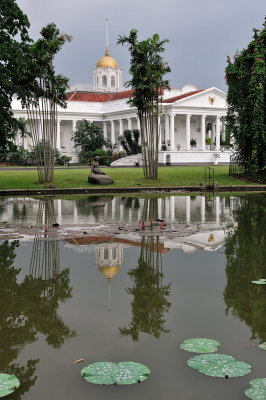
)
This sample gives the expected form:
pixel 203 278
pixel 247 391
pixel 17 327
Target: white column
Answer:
pixel 160 134
pixel 213 132
pixel 223 129
pixel 202 208
pixel 203 132
pixel 217 132
pixel 58 141
pixel 172 132
pixel 188 208
pixel 112 131
pixel 40 130
pixel 74 125
pixel 188 131
pixel 120 132
pixel 75 213
pixel 172 208
pixel 138 123
pixel 167 208
pixel 129 124
pixel 105 130
pixel 166 125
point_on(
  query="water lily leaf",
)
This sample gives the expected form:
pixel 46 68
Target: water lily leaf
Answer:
pixel 257 390
pixel 262 346
pixel 200 345
pixel 260 282
pixel 219 365
pixel 108 373
pixel 8 384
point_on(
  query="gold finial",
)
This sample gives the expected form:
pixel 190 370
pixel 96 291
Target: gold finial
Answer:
pixel 107 52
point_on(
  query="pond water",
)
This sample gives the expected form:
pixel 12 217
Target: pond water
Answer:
pixel 133 300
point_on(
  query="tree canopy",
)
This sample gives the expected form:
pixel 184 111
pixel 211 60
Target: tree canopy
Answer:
pixel 246 100
pixel 147 69
pixel 89 137
pixel 14 42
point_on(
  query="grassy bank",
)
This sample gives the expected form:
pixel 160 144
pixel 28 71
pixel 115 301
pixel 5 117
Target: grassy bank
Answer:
pixel 124 177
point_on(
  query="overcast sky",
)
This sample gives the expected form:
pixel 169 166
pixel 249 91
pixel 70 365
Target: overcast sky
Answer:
pixel 201 33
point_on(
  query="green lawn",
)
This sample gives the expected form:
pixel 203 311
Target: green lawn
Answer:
pixel 123 177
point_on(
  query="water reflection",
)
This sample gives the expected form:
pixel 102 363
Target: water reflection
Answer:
pixel 150 302
pixel 105 208
pixel 30 307
pixel 16 329
pixel 245 251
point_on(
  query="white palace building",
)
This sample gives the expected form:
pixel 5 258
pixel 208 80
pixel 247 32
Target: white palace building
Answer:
pixel 186 113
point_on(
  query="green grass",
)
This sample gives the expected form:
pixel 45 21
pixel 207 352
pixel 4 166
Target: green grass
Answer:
pixel 123 177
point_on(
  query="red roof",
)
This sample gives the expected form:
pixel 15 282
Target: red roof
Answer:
pixel 182 96
pixel 105 97
pixel 99 97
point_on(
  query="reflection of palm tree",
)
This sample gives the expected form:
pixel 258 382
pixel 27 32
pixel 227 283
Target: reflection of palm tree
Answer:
pixel 46 283
pixel 150 295
pixel 45 259
pixel 30 307
pixel 245 251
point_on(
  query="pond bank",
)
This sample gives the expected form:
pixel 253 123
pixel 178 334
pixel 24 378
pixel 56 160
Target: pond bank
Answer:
pixel 160 189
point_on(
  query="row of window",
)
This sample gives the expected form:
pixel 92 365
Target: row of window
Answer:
pixel 104 80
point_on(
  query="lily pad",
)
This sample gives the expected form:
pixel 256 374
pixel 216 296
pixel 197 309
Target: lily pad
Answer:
pixel 109 373
pixel 257 390
pixel 219 365
pixel 260 282
pixel 8 384
pixel 262 346
pixel 200 345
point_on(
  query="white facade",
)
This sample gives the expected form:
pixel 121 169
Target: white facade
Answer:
pixel 185 115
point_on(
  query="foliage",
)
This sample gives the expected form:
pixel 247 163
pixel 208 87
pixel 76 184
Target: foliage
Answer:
pixel 109 373
pixel 89 137
pixel 42 90
pixel 147 69
pixel 14 42
pixel 208 141
pixel 246 101
pixel 130 141
pixel 245 253
pixel 219 365
pixel 193 142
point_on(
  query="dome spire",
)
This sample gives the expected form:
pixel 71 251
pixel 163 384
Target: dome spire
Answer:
pixel 107 51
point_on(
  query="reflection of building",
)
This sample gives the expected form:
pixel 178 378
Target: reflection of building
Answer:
pixel 109 258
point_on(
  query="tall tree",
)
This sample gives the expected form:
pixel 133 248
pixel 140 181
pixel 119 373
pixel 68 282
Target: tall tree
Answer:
pixel 147 68
pixel 42 90
pixel 246 101
pixel 14 42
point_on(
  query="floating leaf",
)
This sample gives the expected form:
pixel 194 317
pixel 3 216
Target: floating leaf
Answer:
pixel 260 282
pixel 219 365
pixel 257 390
pixel 108 373
pixel 200 345
pixel 262 346
pixel 8 384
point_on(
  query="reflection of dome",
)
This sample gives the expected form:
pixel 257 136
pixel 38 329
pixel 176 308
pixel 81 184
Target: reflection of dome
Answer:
pixel 107 61
pixel 109 272
pixel 211 238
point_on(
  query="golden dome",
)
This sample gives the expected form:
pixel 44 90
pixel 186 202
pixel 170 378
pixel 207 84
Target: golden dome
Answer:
pixel 107 61
pixel 109 272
